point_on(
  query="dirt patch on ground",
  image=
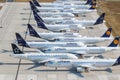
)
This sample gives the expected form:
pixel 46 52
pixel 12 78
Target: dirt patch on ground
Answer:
pixel 112 10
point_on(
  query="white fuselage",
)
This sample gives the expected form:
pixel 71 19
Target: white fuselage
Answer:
pixel 70 10
pixel 71 2
pixel 54 14
pixel 38 57
pixel 80 50
pixel 85 40
pixel 44 45
pixel 83 23
pixel 57 3
pixel 63 7
pixel 63 27
pixel 80 62
pixel 52 36
pixel 60 19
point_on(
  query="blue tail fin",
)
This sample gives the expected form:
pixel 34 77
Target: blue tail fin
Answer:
pixel 36 16
pixel 15 49
pixel 100 19
pixel 107 33
pixel 36 3
pixel 41 25
pixel 40 22
pixel 117 62
pixel 93 2
pixel 32 31
pixel 20 40
pixel 88 2
pixel 33 7
pixel 93 7
pixel 115 42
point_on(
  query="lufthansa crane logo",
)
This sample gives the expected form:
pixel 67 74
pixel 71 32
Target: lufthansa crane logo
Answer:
pixel 93 6
pixel 108 32
pixel 115 41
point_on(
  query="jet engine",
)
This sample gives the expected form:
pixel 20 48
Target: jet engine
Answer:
pixel 81 69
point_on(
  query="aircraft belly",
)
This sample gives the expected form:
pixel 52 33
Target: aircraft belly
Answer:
pixel 104 64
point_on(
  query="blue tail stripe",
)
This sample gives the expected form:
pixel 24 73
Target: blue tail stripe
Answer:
pixel 100 19
pixel 32 6
pixel 32 31
pixel 15 49
pixel 20 40
pixel 93 6
pixel 115 42
pixel 89 2
pixel 107 33
pixel 93 2
pixel 40 22
pixel 36 3
pixel 36 16
pixel 117 62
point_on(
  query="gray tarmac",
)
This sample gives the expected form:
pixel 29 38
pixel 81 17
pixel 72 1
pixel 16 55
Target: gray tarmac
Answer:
pixel 14 19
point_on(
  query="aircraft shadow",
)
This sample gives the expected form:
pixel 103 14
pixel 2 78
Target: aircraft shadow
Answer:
pixel 71 70
pixel 16 63
pixel 58 70
pixel 109 70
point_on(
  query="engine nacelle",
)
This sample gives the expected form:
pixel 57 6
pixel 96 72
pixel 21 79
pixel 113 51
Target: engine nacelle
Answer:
pixel 80 69
pixel 81 44
pixel 63 31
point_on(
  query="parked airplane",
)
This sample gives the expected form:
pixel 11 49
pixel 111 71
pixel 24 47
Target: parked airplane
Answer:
pixel 86 40
pixel 84 50
pixel 68 22
pixel 50 36
pixel 84 65
pixel 55 14
pixel 82 11
pixel 66 27
pixel 57 3
pixel 53 19
pixel 57 28
pixel 40 57
pixel 44 45
pixel 88 2
pixel 61 6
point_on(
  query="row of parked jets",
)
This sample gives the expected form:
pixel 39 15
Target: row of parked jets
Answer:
pixel 63 48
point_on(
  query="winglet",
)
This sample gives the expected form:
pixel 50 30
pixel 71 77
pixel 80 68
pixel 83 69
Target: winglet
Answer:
pixel 33 7
pixel 32 31
pixel 15 49
pixel 117 61
pixel 107 33
pixel 100 19
pixel 20 40
pixel 36 3
pixel 115 42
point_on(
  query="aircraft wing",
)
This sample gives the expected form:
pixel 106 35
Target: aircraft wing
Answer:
pixel 44 61
pixel 80 52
